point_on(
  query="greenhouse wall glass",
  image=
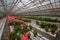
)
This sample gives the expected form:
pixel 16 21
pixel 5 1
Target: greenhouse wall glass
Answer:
pixel 29 19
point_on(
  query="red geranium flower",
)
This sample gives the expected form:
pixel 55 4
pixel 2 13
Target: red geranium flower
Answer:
pixel 27 33
pixel 23 37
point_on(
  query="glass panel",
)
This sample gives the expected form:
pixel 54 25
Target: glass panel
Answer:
pixel 8 1
pixel 49 6
pixel 45 3
pixel 27 4
pixel 56 0
pixel 25 1
pixel 45 7
pixel 41 8
pixel 52 1
pixel 58 5
pixel 54 5
pixel 20 4
pixel 30 5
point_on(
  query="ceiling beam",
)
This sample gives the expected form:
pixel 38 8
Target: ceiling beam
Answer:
pixel 4 5
pixel 12 7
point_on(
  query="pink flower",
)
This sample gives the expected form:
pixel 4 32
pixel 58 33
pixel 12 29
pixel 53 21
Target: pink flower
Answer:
pixel 27 33
pixel 23 37
pixel 17 20
pixel 22 19
pixel 12 19
pixel 28 24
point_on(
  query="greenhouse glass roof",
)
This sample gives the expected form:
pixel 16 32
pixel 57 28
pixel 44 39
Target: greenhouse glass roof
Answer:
pixel 17 6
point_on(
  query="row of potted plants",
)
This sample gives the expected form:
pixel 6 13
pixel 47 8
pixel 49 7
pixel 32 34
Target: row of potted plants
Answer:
pixel 13 19
pixel 20 29
pixel 48 27
pixel 44 19
pixel 24 19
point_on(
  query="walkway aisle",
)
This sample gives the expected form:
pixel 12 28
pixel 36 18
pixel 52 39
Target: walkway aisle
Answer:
pixel 2 25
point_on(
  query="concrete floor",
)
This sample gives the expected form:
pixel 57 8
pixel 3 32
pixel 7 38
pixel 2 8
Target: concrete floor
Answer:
pixel 2 25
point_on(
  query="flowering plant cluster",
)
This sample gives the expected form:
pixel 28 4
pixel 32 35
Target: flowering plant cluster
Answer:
pixel 20 29
pixel 14 19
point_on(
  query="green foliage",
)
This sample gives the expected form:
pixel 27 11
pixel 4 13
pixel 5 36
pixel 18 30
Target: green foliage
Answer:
pixel 16 28
pixel 54 26
pixel 18 23
pixel 37 23
pixel 42 25
pixel 46 28
pixel 52 30
pixel 13 36
pixel 22 31
pixel 27 20
pixel 55 20
pixel 25 27
pixel 43 19
pixel 35 33
pixel 59 21
pixel 29 36
pixel 47 19
pixel 30 27
pixel 49 25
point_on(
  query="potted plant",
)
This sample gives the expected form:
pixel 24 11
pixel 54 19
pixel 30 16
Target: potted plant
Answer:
pixel 46 28
pixel 30 27
pixel 42 25
pixel 37 23
pixel 54 26
pixel 52 30
pixel 49 25
pixel 35 33
pixel 55 20
pixel 16 28
pixel 45 19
